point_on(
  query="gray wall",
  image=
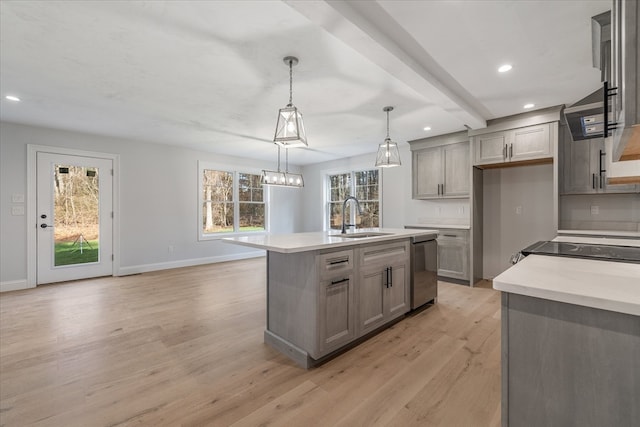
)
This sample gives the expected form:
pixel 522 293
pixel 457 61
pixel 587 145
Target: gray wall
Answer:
pixel 620 212
pixel 504 230
pixel 158 200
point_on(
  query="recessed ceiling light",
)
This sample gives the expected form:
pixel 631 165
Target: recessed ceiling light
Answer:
pixel 12 98
pixel 527 106
pixel 426 128
pixel 504 68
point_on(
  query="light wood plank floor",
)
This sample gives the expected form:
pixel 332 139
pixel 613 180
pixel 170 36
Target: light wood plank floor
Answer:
pixel 185 347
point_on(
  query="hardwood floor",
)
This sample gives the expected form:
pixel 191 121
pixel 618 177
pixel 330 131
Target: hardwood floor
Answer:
pixel 185 347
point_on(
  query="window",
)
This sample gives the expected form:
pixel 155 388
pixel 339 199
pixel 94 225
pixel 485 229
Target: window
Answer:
pixel 365 186
pixel 231 202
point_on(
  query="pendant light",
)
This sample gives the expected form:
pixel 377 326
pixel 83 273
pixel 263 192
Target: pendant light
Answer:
pixel 290 128
pixel 282 179
pixel 388 154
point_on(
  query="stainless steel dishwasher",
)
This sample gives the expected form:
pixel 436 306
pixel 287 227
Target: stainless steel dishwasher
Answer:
pixel 424 269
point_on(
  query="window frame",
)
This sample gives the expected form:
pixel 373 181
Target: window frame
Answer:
pixel 202 236
pixel 326 220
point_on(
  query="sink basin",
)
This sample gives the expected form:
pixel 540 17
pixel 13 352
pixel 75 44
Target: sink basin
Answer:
pixel 360 235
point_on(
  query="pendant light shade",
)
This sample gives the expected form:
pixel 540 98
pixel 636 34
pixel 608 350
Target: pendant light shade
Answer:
pixel 388 155
pixel 282 179
pixel 290 131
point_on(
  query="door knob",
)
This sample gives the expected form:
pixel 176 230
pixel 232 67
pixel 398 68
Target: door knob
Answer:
pixel 45 226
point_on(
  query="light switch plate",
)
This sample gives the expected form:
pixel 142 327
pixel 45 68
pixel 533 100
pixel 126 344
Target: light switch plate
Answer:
pixel 17 198
pixel 518 210
pixel 595 210
pixel 17 210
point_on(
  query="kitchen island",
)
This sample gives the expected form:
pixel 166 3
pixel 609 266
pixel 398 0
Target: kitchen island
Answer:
pixel 571 340
pixel 327 291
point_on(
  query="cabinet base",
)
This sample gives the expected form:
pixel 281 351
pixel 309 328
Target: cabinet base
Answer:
pixel 302 358
pixel 296 354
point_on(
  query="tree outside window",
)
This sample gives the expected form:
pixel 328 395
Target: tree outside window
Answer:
pixel 232 202
pixel 365 186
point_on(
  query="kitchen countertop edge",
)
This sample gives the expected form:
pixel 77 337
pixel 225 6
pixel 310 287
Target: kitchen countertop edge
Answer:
pixel 303 242
pixel 438 226
pixel 605 285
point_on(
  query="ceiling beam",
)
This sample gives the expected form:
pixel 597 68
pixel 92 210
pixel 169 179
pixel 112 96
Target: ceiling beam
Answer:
pixel 368 29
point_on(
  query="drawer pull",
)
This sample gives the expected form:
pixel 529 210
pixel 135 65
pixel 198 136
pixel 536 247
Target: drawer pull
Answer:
pixel 449 235
pixel 335 262
pixel 335 282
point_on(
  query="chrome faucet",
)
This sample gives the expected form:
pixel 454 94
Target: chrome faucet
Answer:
pixel 344 209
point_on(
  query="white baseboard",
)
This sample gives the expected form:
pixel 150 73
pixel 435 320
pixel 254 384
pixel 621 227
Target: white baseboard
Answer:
pixel 14 285
pixel 145 268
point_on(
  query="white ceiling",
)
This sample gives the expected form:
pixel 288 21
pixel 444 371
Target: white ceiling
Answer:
pixel 209 74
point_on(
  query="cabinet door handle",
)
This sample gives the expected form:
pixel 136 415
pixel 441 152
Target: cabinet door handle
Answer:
pixel 386 279
pixel 336 282
pixel 510 151
pixel 504 152
pixel 391 277
pixel 442 189
pixel 593 181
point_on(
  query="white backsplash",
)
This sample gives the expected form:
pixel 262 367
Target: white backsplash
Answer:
pixel 614 212
pixel 445 212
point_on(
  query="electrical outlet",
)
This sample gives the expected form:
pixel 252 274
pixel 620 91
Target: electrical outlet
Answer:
pixel 518 210
pixel 17 210
pixel 461 210
pixel 170 249
pixel 17 198
pixel 595 210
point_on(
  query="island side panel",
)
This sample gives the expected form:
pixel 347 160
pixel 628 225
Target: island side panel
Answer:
pixel 570 365
pixel 292 289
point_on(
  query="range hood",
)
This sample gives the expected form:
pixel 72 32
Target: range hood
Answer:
pixel 585 118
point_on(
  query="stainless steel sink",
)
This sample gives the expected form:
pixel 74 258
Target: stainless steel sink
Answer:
pixel 361 235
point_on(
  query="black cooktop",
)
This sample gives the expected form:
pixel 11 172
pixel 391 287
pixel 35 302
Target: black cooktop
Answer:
pixel 583 250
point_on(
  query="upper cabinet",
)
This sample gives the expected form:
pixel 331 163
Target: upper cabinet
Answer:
pixel 441 171
pixel 513 145
pixel 583 167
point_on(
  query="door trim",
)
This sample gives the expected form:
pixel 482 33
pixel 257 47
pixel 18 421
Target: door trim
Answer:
pixel 32 150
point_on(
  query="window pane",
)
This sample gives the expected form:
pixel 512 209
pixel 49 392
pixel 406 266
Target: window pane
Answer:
pixel 370 215
pixel 217 212
pixel 252 217
pixel 257 195
pixel 217 185
pixel 244 194
pixel 335 216
pixel 76 215
pixel 217 217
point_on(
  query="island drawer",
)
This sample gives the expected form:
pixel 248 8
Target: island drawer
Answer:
pixel 335 263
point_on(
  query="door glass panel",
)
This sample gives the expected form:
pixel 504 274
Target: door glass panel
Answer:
pixel 76 215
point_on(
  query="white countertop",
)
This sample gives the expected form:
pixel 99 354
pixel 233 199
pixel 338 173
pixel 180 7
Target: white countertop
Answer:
pixel 439 226
pixel 605 285
pixel 608 233
pixel 302 242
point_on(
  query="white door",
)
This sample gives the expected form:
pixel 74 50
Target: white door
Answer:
pixel 74 223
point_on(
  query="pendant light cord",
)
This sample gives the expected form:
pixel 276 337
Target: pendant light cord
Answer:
pixel 290 82
pixel 387 124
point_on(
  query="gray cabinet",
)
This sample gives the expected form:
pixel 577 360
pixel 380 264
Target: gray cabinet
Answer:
pixel 584 168
pixel 568 365
pixel 453 254
pixel 441 172
pixel 513 145
pixel 320 301
pixel 336 300
pixel 337 322
pixel 383 286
